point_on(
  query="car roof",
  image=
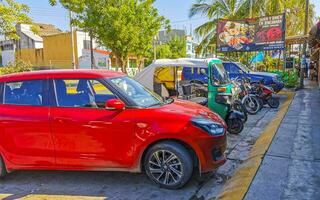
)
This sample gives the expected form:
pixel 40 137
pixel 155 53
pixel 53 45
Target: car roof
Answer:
pixel 66 73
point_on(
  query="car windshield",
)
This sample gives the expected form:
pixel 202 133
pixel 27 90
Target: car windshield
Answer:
pixel 219 74
pixel 139 94
pixel 244 67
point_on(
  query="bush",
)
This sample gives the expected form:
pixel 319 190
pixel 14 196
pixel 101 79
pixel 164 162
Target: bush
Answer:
pixel 289 77
pixel 15 67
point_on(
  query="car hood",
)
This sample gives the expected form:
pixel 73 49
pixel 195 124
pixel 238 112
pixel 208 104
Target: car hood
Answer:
pixel 189 110
pixel 272 75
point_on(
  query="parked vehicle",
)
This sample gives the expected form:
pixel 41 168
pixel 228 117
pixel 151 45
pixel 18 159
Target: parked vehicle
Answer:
pixel 103 120
pixel 236 101
pixel 249 98
pixel 235 70
pixel 265 95
pixel 239 70
pixel 219 86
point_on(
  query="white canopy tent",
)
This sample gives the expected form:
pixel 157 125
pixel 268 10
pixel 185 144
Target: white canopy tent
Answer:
pixel 146 76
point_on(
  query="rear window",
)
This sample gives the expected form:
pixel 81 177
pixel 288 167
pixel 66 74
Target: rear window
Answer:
pixel 29 92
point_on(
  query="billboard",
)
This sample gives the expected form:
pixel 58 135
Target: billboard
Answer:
pixel 256 34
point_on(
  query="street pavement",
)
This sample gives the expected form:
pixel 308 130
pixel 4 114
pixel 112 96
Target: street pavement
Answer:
pixel 290 169
pixel 120 185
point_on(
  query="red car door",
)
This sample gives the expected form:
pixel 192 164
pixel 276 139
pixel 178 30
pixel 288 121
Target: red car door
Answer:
pixel 87 135
pixel 26 138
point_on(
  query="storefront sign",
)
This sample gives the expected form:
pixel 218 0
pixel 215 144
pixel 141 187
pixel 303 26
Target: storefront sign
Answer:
pixel 257 34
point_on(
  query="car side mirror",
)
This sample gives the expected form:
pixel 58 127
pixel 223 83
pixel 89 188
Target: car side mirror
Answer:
pixel 115 104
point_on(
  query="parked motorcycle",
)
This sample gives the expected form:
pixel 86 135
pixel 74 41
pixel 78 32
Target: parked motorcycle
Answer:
pixel 236 101
pixel 265 95
pixel 248 97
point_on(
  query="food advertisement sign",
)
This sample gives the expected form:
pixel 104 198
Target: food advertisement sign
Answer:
pixel 258 34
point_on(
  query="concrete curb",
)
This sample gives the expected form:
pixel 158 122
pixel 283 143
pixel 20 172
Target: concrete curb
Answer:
pixel 237 187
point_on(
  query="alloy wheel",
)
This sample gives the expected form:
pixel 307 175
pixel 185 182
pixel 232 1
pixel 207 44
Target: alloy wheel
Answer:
pixel 165 167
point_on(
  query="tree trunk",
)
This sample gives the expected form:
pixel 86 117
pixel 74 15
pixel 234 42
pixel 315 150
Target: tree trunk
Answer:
pixel 123 64
pixel 139 63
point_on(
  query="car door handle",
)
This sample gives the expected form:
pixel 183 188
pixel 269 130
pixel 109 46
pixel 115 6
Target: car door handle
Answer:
pixel 64 119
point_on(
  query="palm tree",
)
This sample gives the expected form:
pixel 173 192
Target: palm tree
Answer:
pixel 213 10
pixel 239 9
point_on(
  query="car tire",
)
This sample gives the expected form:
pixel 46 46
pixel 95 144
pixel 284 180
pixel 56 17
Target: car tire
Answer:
pixel 169 165
pixel 3 170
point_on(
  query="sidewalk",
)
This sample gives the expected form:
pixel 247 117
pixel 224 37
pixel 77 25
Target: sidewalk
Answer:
pixel 290 169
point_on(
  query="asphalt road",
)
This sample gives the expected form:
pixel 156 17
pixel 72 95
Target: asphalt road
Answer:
pixel 120 185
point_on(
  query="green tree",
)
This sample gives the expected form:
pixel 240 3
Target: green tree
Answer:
pixel 213 10
pixel 296 16
pixel 124 26
pixel 12 13
pixel 239 9
pixel 178 47
pixel 163 51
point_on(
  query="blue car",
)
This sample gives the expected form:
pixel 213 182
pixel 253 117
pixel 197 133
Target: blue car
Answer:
pixel 235 70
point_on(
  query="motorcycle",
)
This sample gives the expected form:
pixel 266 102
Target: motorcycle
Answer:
pixel 265 95
pixel 236 101
pixel 249 98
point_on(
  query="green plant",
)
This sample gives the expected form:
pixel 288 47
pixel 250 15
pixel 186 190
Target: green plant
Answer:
pixel 290 78
pixel 15 67
pixel 12 13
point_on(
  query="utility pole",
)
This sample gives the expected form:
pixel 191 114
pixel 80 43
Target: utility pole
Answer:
pixel 155 48
pixel 303 64
pixel 72 41
pixel 251 5
pixel 91 51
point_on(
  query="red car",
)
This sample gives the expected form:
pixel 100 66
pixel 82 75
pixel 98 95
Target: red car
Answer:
pixel 103 120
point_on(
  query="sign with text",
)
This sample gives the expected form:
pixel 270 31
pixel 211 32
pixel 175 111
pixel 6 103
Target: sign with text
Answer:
pixel 257 34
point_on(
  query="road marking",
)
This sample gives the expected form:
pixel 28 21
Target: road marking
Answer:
pixel 59 197
pixel 3 196
pixel 237 187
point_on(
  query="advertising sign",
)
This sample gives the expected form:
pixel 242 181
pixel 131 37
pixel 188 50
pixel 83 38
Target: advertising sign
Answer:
pixel 257 34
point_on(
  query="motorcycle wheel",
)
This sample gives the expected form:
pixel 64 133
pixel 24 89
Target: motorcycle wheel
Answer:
pixel 235 126
pixel 273 102
pixel 252 104
pixel 238 106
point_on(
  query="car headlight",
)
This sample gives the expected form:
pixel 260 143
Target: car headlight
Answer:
pixel 209 126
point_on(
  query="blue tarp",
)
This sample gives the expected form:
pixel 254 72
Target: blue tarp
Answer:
pixel 258 58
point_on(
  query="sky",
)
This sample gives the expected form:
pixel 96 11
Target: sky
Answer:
pixel 175 10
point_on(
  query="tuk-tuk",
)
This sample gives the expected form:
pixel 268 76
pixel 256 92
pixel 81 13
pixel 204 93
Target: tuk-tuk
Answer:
pixel 164 77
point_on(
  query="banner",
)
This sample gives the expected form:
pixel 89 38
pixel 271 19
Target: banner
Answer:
pixel 257 34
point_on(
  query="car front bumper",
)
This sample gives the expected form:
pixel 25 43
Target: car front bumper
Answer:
pixel 213 153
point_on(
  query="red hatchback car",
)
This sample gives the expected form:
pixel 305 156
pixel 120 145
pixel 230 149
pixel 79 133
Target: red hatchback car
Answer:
pixel 103 120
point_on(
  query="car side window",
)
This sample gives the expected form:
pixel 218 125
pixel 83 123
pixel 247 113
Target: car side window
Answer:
pixel 234 69
pixel 88 93
pixel 28 92
pixel 1 93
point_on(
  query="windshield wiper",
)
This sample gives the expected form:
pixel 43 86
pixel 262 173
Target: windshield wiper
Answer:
pixel 153 105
